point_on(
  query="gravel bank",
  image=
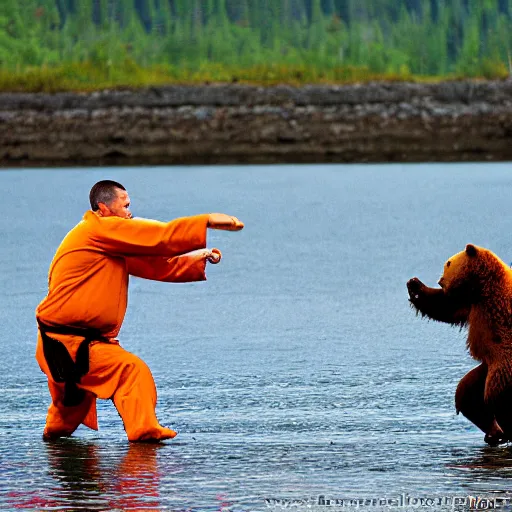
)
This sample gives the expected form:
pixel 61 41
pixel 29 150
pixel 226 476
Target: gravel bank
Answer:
pixel 378 122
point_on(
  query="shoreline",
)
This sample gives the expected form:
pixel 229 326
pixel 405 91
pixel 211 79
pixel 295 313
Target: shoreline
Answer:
pixel 243 124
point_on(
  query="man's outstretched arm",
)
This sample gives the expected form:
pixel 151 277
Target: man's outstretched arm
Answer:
pixel 143 237
pixel 185 268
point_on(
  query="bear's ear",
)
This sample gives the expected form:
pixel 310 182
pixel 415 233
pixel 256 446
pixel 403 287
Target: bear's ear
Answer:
pixel 471 250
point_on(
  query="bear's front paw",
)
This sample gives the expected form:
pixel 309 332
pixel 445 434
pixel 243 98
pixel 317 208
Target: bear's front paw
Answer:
pixel 496 439
pixel 414 287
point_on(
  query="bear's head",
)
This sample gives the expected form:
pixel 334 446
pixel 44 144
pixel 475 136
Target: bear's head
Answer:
pixel 470 272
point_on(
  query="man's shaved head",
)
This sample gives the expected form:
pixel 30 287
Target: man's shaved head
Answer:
pixel 105 192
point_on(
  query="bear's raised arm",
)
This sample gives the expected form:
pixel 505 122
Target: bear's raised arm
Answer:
pixel 435 304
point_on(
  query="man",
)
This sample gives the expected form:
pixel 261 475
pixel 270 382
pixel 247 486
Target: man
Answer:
pixel 87 296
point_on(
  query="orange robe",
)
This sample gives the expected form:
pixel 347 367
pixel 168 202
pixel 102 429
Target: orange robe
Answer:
pixel 88 287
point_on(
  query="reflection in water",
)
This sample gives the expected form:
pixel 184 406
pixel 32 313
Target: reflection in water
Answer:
pixel 486 460
pixel 485 471
pixel 137 478
pixel 75 467
pixel 85 473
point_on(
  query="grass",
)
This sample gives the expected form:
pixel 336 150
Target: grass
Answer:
pixel 88 76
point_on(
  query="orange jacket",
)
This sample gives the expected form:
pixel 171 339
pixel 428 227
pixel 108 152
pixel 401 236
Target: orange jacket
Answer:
pixel 88 277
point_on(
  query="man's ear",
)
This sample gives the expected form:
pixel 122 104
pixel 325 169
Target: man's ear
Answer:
pixel 104 211
pixel 471 250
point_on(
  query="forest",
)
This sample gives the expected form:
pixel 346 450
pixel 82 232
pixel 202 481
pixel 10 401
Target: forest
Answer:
pixel 45 42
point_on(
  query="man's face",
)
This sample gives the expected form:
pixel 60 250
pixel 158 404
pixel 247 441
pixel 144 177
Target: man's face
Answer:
pixel 119 207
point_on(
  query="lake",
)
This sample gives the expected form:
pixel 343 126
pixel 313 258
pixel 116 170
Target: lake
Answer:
pixel 297 372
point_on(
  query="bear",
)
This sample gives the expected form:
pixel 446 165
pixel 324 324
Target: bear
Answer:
pixel 475 291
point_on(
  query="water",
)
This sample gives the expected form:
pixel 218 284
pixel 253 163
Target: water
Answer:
pixel 297 370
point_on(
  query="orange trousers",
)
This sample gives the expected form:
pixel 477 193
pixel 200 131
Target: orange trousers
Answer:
pixel 114 373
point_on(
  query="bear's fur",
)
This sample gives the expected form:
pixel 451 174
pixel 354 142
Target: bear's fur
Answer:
pixel 476 291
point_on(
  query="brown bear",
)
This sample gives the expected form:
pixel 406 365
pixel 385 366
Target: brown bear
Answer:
pixel 476 292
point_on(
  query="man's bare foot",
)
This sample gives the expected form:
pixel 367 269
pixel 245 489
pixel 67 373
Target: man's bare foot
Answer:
pixel 52 436
pixel 156 437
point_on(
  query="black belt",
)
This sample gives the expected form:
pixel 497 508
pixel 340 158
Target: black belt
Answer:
pixel 61 365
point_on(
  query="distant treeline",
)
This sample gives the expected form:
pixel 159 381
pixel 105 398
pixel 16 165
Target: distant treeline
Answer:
pixel 464 38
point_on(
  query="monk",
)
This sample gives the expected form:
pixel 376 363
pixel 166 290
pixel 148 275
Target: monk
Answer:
pixel 80 318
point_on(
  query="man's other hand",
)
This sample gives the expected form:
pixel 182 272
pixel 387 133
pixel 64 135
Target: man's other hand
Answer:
pixel 223 221
pixel 214 256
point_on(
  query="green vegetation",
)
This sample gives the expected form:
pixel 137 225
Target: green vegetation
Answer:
pixel 54 45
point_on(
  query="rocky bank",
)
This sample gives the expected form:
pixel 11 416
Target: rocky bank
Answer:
pixel 377 122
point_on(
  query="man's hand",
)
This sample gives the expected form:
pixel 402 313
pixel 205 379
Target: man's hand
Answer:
pixel 225 222
pixel 214 256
